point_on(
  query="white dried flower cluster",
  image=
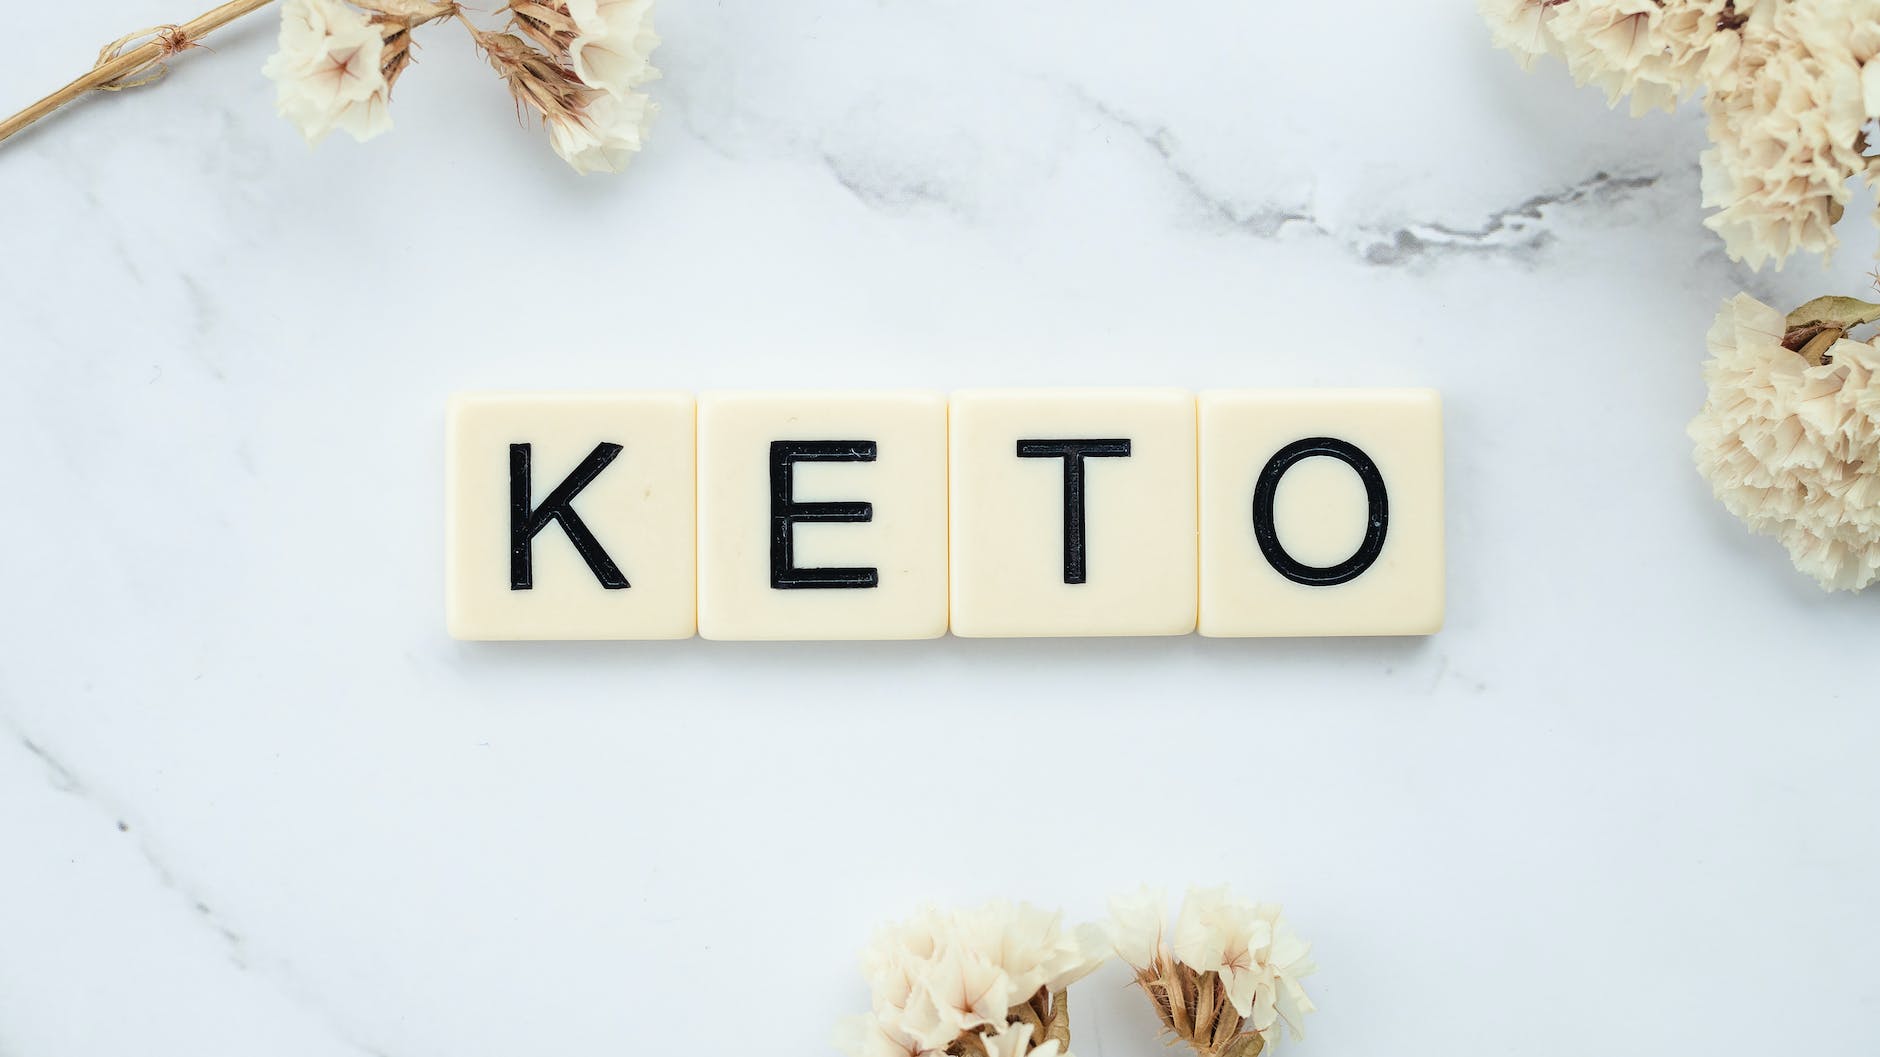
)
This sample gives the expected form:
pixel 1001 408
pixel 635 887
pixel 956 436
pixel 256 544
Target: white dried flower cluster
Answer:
pixel 1786 133
pixel 337 63
pixel 1656 51
pixel 605 46
pixel 328 71
pixel 1793 448
pixel 991 979
pixel 1224 952
pixel 1788 85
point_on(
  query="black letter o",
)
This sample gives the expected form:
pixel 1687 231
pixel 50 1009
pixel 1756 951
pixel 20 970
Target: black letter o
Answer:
pixel 1268 535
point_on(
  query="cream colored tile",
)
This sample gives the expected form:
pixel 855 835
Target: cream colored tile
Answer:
pixel 1354 543
pixel 822 515
pixel 1073 512
pixel 623 463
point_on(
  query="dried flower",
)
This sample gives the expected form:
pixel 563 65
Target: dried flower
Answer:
pixel 1788 87
pixel 1136 925
pixel 591 130
pixel 1786 140
pixel 1520 26
pixel 1227 979
pixel 607 43
pixel 1790 435
pixel 1620 46
pixel 988 982
pixel 337 62
pixel 1702 39
pixel 329 71
pixel 613 44
pixel 1656 50
pixel 604 134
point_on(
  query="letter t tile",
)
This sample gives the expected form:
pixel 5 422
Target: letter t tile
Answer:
pixel 1073 512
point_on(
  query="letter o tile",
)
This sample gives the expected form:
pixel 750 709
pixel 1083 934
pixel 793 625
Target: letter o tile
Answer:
pixel 1321 512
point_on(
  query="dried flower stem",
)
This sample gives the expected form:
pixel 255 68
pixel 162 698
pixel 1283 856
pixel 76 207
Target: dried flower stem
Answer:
pixel 117 68
pixel 477 33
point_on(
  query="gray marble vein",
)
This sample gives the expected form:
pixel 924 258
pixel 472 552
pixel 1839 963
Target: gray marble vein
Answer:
pixel 64 779
pixel 1516 231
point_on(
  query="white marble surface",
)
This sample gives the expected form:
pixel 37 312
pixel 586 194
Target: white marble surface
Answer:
pixel 253 800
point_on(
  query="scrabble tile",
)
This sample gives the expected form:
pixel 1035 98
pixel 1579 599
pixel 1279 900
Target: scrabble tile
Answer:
pixel 1073 512
pixel 1321 512
pixel 570 516
pixel 822 515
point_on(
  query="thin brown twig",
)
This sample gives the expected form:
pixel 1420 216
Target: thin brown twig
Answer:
pixel 118 68
pixel 476 32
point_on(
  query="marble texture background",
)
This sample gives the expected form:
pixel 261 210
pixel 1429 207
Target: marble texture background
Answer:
pixel 254 801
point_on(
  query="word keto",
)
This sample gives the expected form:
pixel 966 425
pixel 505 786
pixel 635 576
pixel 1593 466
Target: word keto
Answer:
pixel 904 515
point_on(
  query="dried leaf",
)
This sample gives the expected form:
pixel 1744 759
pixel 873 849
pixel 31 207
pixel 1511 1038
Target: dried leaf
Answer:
pixel 1041 1001
pixel 1177 1002
pixel 1060 1026
pixel 1191 985
pixel 551 26
pixel 1205 1006
pixel 1225 1028
pixel 396 56
pixel 553 18
pixel 1158 996
pixel 1247 1044
pixel 1023 1013
pixel 1843 312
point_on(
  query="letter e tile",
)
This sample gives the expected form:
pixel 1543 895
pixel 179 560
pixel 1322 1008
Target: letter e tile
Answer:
pixel 822 515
